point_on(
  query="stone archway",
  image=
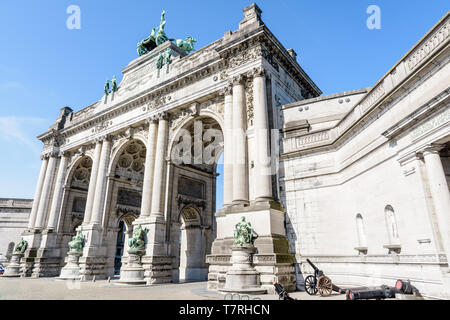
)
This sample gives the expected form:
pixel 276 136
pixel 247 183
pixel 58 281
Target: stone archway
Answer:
pixel 194 153
pixel 74 202
pixel 123 199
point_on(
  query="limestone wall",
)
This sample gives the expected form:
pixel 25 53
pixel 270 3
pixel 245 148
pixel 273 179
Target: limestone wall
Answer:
pixel 14 215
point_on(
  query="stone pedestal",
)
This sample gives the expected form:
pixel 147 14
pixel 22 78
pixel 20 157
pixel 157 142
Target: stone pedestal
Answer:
pixel 273 259
pixel 71 271
pixel 13 268
pixel 242 277
pixel 133 272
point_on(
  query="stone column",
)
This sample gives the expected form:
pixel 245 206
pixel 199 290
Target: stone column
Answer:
pixel 46 193
pixel 228 148
pixel 263 178
pixel 58 191
pixel 92 183
pixel 147 187
pixel 159 173
pixel 240 172
pixel 38 192
pixel 99 199
pixel 439 192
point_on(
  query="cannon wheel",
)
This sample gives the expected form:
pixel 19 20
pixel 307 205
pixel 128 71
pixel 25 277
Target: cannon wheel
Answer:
pixel 324 286
pixel 310 285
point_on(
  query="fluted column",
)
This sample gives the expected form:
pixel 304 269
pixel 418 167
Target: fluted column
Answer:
pixel 228 147
pixel 38 192
pixel 147 187
pixel 92 183
pixel 240 174
pixel 439 192
pixel 159 173
pixel 57 193
pixel 263 178
pixel 99 199
pixel 46 193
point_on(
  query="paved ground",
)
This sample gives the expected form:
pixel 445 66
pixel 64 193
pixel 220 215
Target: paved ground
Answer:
pixel 51 289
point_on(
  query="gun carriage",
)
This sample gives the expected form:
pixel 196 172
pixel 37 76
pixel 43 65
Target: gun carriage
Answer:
pixel 320 283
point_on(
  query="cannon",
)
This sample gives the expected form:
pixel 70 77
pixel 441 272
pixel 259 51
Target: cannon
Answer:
pixel 282 293
pixel 377 293
pixel 382 292
pixel 320 283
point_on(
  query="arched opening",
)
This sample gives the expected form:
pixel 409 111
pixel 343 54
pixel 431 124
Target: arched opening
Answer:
pixel 362 241
pixel 195 154
pixel 391 225
pixel 10 250
pixel 74 202
pixel 123 200
pixel 192 246
pixel 120 242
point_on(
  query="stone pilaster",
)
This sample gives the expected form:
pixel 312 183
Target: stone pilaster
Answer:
pixel 92 183
pixel 156 263
pixel 228 147
pixel 263 183
pixel 99 199
pixel 147 187
pixel 46 193
pixel 439 192
pixel 240 172
pixel 38 192
pixel 160 168
pixel 58 191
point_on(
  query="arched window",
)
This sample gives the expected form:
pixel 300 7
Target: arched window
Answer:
pixel 362 242
pixel 391 224
pixel 9 252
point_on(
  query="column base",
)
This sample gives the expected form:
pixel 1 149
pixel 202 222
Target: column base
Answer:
pixel 133 272
pixel 13 268
pixel 72 270
pixel 158 269
pixel 273 260
pixel 242 277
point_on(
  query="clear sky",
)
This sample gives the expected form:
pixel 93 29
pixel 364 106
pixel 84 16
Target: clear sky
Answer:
pixel 45 66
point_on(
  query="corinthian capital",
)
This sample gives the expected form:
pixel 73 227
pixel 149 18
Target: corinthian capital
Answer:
pixel 257 72
pixel 238 79
pixel 162 116
pixel 227 90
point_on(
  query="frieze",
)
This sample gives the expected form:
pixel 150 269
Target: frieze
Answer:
pixel 219 259
pixel 425 50
pixel 373 97
pixel 312 138
pixel 431 124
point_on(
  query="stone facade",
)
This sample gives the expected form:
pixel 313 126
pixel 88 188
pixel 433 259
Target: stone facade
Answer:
pixel 365 175
pixel 14 215
pixel 357 181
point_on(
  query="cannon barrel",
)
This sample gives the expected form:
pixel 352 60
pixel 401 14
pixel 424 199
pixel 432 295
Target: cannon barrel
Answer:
pixel 406 287
pixel 382 292
pixel 312 265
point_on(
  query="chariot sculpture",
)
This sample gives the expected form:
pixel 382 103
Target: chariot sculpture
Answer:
pixel 159 37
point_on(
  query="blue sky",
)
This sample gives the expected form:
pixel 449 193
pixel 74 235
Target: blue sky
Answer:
pixel 45 66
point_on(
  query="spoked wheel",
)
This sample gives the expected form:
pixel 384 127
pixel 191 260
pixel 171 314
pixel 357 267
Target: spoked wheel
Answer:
pixel 324 286
pixel 310 285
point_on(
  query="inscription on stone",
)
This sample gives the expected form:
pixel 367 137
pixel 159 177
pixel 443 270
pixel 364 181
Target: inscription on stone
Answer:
pixel 191 188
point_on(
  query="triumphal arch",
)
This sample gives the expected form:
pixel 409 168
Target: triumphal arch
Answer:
pixel 146 153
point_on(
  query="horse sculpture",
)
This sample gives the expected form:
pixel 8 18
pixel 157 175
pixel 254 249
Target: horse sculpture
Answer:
pixel 186 45
pixel 157 38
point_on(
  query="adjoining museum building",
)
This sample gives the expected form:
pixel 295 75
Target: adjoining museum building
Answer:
pixel 359 185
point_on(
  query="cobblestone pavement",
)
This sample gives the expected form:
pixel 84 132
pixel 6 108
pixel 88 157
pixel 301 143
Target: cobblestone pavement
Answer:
pixel 51 289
